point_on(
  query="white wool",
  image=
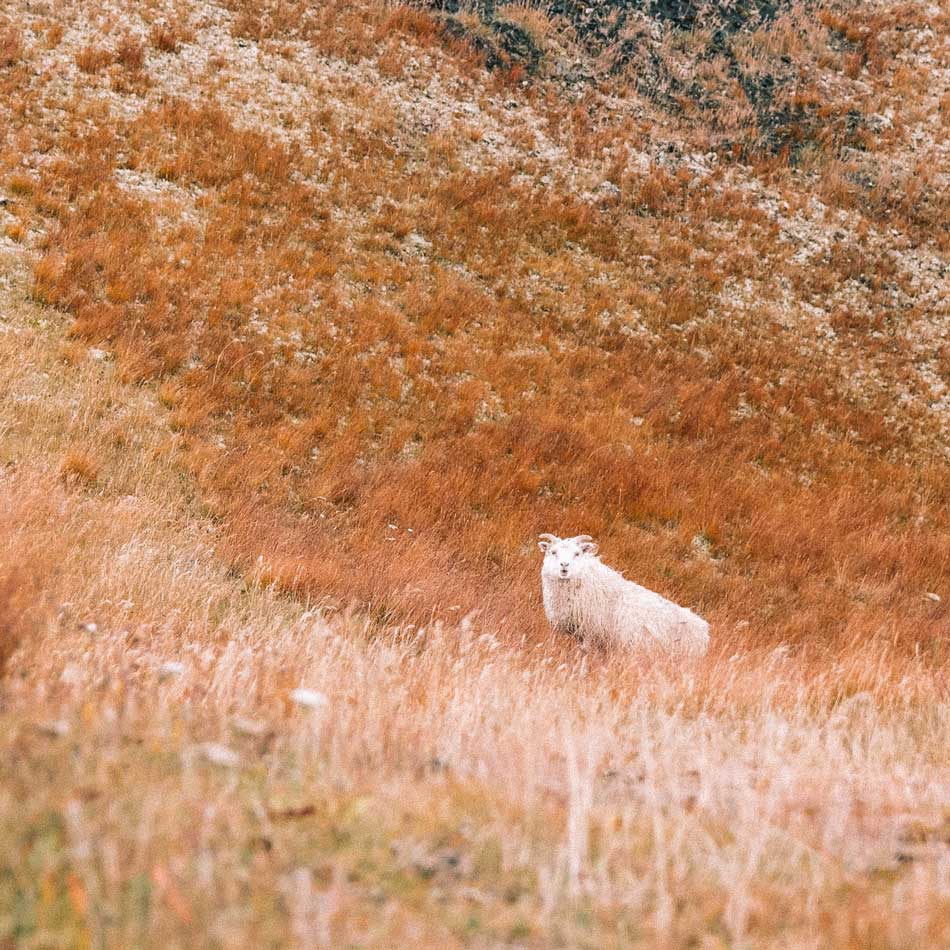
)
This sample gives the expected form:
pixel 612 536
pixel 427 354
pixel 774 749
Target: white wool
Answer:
pixel 586 599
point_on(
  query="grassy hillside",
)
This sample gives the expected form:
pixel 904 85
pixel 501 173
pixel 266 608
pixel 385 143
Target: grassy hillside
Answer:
pixel 313 316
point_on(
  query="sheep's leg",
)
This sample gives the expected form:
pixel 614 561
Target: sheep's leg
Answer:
pixel 571 629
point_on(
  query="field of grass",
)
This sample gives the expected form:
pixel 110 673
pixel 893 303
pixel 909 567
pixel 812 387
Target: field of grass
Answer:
pixel 309 323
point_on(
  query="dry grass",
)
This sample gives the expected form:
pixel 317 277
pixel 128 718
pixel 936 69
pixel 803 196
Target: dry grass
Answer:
pixel 445 788
pixel 78 468
pixel 325 395
pixel 20 603
pixel 297 359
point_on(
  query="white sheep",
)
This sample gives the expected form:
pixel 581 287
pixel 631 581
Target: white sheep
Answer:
pixel 600 607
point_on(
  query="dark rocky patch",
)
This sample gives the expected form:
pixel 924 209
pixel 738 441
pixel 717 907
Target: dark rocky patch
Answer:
pixel 629 36
pixel 503 44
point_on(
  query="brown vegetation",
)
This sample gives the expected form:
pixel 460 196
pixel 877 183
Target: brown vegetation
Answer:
pixel 374 386
pixel 323 324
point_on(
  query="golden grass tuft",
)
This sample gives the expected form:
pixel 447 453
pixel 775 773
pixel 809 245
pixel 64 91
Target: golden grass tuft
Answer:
pixel 78 468
pixel 11 46
pixel 93 59
pixel 18 604
pixel 21 184
pixel 15 231
pixel 27 562
pixel 169 37
pixel 131 53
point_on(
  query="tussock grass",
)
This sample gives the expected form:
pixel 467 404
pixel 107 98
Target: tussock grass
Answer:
pixel 297 359
pixel 445 787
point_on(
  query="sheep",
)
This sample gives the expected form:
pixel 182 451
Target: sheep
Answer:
pixel 599 607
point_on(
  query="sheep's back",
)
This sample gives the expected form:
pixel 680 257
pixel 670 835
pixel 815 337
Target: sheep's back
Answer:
pixel 645 618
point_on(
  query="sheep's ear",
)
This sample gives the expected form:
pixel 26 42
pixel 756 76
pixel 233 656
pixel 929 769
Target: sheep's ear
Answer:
pixel 589 547
pixel 545 541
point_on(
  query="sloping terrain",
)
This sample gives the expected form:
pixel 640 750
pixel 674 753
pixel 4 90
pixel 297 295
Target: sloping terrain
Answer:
pixel 314 315
pixel 381 287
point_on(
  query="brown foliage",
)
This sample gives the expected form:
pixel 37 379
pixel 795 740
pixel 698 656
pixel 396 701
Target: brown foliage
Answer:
pixel 131 53
pixel 92 59
pixel 11 46
pixel 546 362
pixel 17 593
pixel 78 468
pixel 168 37
pixel 26 563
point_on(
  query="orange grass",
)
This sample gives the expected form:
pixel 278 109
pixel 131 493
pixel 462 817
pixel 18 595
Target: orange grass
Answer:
pixel 448 790
pixel 297 358
pixel 330 384
pixel 20 600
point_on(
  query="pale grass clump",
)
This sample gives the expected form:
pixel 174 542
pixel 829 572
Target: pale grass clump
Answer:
pixel 446 773
pixel 538 19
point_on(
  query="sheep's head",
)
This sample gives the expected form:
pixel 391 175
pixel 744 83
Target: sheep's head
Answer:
pixel 565 558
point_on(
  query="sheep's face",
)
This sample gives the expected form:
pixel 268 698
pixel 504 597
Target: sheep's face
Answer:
pixel 565 558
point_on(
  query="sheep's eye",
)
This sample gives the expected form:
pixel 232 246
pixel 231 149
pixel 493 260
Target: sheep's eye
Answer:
pixel 576 553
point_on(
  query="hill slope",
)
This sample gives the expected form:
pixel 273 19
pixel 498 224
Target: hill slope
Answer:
pixel 307 309
pixel 384 287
